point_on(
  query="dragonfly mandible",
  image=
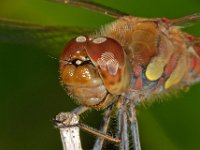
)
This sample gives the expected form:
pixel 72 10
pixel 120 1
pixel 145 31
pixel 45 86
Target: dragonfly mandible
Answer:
pixel 126 63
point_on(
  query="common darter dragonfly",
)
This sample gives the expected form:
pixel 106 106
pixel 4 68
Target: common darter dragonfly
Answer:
pixel 141 59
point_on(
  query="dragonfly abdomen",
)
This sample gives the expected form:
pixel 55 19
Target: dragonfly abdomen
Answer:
pixel 194 50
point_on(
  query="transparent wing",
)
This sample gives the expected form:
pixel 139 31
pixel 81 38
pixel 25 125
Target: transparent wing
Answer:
pixel 186 20
pixel 49 37
pixel 93 6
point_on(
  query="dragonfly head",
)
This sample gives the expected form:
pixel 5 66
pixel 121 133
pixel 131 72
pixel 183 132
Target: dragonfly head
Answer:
pixel 93 71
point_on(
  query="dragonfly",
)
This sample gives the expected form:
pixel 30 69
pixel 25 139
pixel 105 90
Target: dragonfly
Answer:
pixel 127 62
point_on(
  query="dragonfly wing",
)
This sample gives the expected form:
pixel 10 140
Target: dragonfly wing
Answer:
pixel 93 6
pixel 186 20
pixel 48 37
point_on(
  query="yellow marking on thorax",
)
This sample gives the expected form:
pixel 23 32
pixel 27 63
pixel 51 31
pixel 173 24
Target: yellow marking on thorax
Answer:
pixel 178 73
pixel 156 66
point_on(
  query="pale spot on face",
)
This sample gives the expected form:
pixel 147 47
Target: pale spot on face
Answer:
pixel 99 40
pixel 78 62
pixel 81 39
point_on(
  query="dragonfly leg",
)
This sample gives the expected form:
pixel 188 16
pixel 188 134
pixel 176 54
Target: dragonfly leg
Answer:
pixel 104 127
pixel 79 110
pixel 123 125
pixel 93 6
pixel 134 127
pixel 125 132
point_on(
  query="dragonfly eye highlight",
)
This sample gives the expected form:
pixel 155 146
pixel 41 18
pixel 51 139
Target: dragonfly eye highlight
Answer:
pixel 81 39
pixel 99 40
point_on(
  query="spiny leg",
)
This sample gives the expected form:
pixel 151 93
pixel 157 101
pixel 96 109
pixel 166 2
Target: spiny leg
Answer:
pixel 92 6
pixel 104 127
pixel 79 110
pixel 98 133
pixel 125 131
pixel 134 127
pixel 123 125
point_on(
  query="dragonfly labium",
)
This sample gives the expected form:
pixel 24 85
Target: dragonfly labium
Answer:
pixel 125 63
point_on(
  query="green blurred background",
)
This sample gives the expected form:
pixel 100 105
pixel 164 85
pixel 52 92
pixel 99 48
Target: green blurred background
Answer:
pixel 30 94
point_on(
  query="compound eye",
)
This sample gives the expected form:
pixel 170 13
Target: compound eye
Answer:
pixel 75 48
pixel 109 58
pixel 107 54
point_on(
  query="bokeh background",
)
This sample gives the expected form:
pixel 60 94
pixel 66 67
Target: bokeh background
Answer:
pixel 30 93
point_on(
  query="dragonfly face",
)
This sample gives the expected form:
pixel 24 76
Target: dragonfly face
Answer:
pixel 94 70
